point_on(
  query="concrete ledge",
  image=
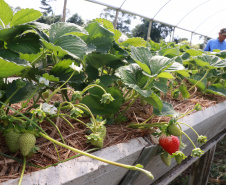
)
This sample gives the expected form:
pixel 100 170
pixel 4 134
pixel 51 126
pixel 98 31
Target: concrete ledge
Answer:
pixel 87 171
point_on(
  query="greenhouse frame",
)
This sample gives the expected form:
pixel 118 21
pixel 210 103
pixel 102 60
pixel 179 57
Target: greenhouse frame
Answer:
pixel 202 17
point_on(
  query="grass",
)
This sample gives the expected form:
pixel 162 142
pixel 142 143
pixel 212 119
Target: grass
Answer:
pixel 217 174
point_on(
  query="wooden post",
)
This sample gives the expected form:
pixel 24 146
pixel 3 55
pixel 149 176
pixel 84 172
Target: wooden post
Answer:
pixel 201 168
pixel 149 31
pixel 64 11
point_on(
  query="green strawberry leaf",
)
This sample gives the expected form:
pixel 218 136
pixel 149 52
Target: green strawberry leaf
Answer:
pixel 107 80
pixel 25 16
pixel 161 85
pixel 8 34
pixel 50 77
pixel 210 61
pixel 6 14
pixel 73 45
pixel 9 68
pixel 28 43
pixel 23 94
pixel 135 41
pixel 63 71
pixel 98 60
pixel 154 100
pixel 99 37
pixel 194 52
pixel 217 89
pixel 167 110
pixel 98 108
pixel 61 28
pixel 169 52
pixel 133 77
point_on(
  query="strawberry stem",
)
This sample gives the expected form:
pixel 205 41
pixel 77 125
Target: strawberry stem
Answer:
pixel 189 127
pixel 149 174
pixel 83 106
pixel 131 103
pixel 56 127
pixel 22 173
pixel 207 71
pixel 91 86
pixel 67 121
pixel 59 88
pixel 148 119
pixel 186 114
pixel 146 126
pixel 189 139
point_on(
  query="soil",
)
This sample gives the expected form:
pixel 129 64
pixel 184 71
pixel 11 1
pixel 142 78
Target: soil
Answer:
pixel 116 133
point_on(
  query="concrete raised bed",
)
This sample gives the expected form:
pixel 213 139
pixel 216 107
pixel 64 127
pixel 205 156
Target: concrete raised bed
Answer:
pixel 85 171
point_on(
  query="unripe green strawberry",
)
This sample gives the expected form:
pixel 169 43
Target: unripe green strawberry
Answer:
pixel 45 94
pixel 166 158
pixel 26 143
pixel 30 154
pixel 173 129
pixel 11 139
pixel 179 156
pixel 179 159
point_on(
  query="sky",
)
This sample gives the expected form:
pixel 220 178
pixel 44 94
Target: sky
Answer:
pixel 88 11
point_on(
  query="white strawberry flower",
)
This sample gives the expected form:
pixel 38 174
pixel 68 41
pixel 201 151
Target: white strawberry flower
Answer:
pixel 76 68
pixel 49 108
pixel 44 81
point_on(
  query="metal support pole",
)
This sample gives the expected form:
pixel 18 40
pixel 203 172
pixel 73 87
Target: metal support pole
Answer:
pixel 172 39
pixel 149 31
pixel 191 38
pixel 116 18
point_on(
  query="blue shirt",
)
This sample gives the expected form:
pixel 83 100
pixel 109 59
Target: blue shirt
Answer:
pixel 215 44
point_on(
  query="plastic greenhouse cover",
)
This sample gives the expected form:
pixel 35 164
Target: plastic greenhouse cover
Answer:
pixel 204 17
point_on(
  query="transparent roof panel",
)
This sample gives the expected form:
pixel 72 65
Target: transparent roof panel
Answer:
pixel 176 11
pixel 204 17
pixel 144 8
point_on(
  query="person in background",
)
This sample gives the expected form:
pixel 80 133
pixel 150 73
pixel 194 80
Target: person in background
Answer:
pixel 218 43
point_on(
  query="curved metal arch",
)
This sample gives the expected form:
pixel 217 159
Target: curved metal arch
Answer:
pixel 122 4
pixel 191 11
pixel 121 9
pixel 209 18
pixel 160 9
pixel 216 26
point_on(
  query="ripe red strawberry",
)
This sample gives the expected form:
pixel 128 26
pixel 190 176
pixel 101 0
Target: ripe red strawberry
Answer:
pixel 170 143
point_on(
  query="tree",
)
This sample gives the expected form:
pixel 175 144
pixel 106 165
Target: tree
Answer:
pixel 48 16
pixel 158 31
pixel 75 18
pixel 123 21
pixel 49 19
pixel 46 6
